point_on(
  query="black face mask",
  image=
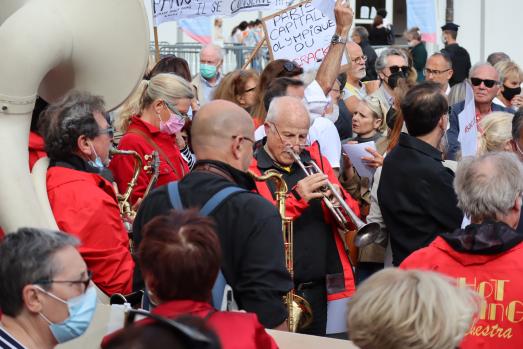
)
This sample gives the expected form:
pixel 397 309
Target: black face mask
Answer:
pixel 391 118
pixel 510 93
pixel 393 79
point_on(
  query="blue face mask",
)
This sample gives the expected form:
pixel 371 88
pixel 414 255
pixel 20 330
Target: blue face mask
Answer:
pixel 81 311
pixel 97 162
pixel 208 71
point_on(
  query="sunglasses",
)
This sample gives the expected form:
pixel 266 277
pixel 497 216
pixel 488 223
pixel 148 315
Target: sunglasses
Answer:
pixel 396 69
pixel 291 67
pixel 109 131
pixel 487 82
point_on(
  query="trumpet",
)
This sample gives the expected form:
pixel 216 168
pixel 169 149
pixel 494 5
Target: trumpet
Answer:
pixel 366 232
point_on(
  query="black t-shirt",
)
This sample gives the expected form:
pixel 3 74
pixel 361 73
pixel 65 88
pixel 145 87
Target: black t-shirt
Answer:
pixel 250 232
pixel 315 252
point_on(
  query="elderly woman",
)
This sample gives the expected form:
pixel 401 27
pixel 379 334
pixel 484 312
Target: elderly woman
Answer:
pixel 46 295
pixel 511 78
pixel 397 309
pixel 180 257
pixel 239 87
pixel 496 132
pixel 153 123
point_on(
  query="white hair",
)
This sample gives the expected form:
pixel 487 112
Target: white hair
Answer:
pixel 487 186
pixel 215 48
pixel 276 105
pixel 397 309
pixel 480 65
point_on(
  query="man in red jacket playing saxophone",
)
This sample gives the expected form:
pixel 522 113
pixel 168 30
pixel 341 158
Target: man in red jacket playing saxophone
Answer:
pixel 487 255
pixel 322 271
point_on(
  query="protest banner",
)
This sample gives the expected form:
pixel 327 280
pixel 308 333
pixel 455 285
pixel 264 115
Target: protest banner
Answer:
pixel 300 33
pixel 172 10
pixel 468 128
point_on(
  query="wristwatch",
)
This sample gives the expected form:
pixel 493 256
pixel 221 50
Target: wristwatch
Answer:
pixel 336 39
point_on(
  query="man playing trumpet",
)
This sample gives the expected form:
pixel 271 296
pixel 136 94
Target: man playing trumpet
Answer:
pixel 322 271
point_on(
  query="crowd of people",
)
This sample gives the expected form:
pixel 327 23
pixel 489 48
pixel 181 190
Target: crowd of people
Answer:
pixel 203 234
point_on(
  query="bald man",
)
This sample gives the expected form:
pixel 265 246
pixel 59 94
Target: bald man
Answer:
pixel 248 226
pixel 322 271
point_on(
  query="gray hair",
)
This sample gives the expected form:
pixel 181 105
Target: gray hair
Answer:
pixel 275 107
pixel 215 48
pixel 361 32
pixel 496 57
pixel 63 122
pixel 487 186
pixel 26 257
pixel 381 62
pixel 480 65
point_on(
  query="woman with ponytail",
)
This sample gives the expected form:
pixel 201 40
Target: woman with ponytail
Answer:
pixel 152 119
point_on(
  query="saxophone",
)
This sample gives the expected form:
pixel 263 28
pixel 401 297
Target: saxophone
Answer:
pixel 300 313
pixel 126 210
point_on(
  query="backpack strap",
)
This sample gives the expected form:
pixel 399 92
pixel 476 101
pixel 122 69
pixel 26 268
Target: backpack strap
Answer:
pixel 218 288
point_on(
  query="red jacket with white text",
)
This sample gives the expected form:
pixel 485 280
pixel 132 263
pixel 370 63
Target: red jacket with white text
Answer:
pixel 489 259
pixel 84 205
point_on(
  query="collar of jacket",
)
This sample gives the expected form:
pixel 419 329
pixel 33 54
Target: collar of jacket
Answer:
pixel 409 141
pixel 486 238
pixel 137 122
pixel 74 162
pixel 243 179
pixel 265 162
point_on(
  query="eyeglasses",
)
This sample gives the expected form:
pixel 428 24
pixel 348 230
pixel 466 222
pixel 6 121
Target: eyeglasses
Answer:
pixel 175 110
pixel 83 282
pixel 109 131
pixel 360 59
pixel 428 71
pixel 241 138
pixel 285 140
pixel 487 82
pixel 396 69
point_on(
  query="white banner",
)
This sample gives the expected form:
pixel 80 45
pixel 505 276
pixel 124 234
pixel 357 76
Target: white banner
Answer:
pixel 468 129
pixel 172 10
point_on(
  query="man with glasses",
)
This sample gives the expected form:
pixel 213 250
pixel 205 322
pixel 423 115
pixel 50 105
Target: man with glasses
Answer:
pixel 46 295
pixel 484 79
pixel 77 140
pixel 322 271
pixel 439 69
pixel 355 90
pixel 391 66
pixel 249 227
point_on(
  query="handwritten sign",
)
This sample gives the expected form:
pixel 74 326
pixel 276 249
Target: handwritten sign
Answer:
pixel 172 10
pixel 300 33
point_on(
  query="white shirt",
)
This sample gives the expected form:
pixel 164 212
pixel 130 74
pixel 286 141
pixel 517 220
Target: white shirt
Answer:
pixel 322 129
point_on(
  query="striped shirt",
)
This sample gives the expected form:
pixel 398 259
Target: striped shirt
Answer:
pixel 8 342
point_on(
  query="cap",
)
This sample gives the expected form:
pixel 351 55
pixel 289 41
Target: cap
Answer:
pixel 450 26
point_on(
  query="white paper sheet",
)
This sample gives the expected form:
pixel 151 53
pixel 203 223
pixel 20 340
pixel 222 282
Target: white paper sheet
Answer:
pixel 355 152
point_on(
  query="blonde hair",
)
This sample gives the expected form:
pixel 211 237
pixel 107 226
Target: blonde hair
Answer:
pixel 165 86
pixel 496 132
pixel 397 309
pixel 507 68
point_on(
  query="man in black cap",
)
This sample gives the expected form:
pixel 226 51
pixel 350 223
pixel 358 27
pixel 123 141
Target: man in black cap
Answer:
pixel 459 56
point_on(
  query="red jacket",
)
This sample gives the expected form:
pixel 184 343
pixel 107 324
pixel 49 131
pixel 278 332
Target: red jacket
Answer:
pixel 497 277
pixel 236 330
pixel 36 149
pixel 294 207
pixel 84 205
pixel 122 166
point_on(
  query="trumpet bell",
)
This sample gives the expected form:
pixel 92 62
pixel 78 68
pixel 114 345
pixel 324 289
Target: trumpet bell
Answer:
pixel 301 313
pixel 368 234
